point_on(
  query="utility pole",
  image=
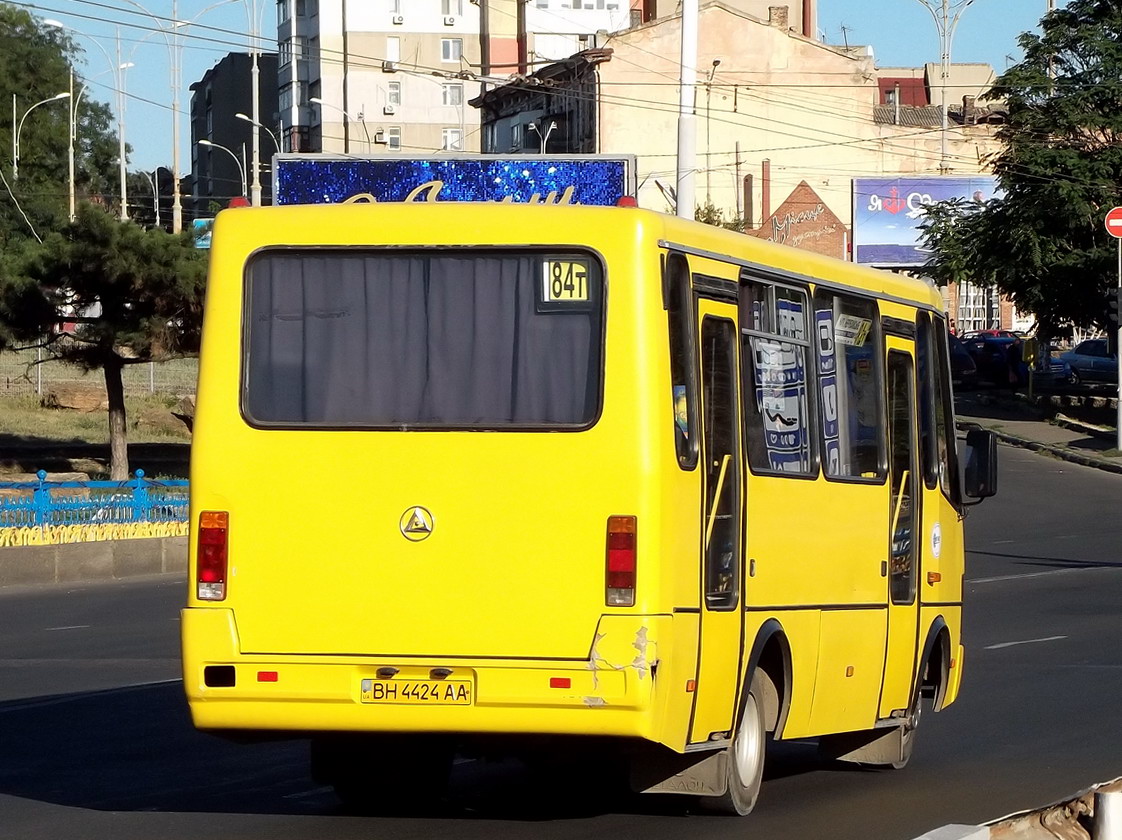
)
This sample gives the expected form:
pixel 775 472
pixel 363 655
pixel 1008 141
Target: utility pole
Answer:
pixel 687 123
pixel 176 203
pixel 120 76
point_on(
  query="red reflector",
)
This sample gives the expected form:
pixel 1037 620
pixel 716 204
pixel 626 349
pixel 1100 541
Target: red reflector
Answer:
pixel 627 201
pixel 560 682
pixel 691 685
pixel 266 676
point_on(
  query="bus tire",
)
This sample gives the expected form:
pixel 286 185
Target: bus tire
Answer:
pixel 744 765
pixel 908 737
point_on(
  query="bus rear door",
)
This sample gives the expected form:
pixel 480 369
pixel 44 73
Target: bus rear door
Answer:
pixel 722 615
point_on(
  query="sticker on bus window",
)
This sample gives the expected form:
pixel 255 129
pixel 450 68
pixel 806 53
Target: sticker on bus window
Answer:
pixel 852 330
pixel 565 281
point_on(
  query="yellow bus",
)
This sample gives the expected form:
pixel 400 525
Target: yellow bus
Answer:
pixel 489 476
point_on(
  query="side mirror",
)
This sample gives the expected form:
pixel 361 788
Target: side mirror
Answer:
pixel 981 464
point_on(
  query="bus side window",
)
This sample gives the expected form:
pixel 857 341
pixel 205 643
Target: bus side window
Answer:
pixel 683 382
pixel 777 381
pixel 926 392
pixel 850 354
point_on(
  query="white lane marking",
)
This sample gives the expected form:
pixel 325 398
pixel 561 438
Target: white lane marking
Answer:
pixel 1025 642
pixel 71 627
pixel 1040 574
pixel 306 794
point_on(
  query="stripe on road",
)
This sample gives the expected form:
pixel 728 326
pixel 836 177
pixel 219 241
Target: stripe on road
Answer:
pixel 1025 642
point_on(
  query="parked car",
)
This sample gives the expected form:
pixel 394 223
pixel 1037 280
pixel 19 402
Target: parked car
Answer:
pixel 1091 361
pixel 992 334
pixel 964 371
pixel 992 355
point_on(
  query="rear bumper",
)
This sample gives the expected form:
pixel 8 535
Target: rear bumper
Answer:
pixel 610 694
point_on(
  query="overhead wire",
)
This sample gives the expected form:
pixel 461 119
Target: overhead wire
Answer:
pixel 360 61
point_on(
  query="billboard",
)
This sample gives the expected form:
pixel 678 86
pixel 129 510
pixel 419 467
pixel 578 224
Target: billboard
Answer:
pixel 523 179
pixel 887 213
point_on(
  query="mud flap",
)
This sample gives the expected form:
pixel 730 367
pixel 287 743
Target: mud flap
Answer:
pixel 870 746
pixel 696 774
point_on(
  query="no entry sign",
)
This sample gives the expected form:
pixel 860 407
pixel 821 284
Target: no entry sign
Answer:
pixel 1114 222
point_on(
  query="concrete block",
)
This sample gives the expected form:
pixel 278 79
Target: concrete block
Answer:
pixel 84 561
pixel 27 564
pixel 175 554
pixel 137 557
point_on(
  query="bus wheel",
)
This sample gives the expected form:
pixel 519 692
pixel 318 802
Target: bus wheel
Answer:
pixel 744 759
pixel 908 738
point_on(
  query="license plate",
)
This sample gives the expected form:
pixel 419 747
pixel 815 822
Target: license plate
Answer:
pixel 418 692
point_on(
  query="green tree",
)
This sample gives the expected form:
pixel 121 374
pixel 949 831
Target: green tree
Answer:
pixel 35 64
pixel 1042 241
pixel 133 296
pixel 710 214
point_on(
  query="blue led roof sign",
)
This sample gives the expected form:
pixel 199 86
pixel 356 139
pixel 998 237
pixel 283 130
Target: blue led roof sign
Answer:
pixel 522 179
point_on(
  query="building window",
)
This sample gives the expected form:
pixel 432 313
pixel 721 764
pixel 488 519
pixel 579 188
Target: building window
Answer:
pixel 393 48
pixel 543 4
pixel 452 7
pixel 890 97
pixel 393 93
pixel 452 94
pixel 452 140
pixel 451 49
pixel 293 48
pixel 301 8
pixel 516 137
pixel 282 11
pixel 393 138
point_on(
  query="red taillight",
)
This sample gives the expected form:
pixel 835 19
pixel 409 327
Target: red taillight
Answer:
pixel 621 561
pixel 210 566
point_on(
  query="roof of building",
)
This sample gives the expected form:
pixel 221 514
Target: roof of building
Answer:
pixel 913 116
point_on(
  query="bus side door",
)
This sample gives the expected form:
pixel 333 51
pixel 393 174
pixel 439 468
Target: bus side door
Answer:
pixel 904 519
pixel 719 646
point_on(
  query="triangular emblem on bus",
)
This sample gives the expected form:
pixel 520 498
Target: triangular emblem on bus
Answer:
pixel 416 523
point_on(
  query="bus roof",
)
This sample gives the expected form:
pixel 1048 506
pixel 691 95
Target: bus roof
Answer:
pixel 428 224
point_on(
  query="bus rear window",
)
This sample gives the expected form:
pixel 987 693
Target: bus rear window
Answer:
pixel 451 339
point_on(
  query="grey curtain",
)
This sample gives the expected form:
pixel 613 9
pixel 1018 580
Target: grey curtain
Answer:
pixel 399 340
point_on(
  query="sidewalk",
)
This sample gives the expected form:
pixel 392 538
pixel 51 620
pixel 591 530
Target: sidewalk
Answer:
pixel 1080 430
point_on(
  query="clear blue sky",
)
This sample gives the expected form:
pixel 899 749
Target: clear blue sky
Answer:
pixel 901 33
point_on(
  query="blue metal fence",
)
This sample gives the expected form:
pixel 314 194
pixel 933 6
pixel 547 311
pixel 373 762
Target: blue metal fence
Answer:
pixel 42 502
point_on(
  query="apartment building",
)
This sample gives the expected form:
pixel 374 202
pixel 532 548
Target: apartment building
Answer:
pixel 383 76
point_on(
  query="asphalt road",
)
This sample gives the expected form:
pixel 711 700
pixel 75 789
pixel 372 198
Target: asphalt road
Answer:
pixel 95 741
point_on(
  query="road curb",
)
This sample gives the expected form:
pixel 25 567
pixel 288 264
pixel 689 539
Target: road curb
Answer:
pixel 89 561
pixel 1061 452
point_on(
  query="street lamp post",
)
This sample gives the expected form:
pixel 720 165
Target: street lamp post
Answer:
pixel 315 100
pixel 241 166
pixel 256 139
pixel 543 137
pixel 154 179
pixel 946 14
pixel 18 127
pixel 117 68
pixel 170 34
